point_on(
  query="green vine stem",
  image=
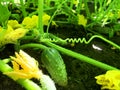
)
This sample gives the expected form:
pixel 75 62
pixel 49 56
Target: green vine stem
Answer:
pixel 70 53
pixel 79 7
pixel 58 7
pixel 106 40
pixel 81 57
pixel 27 84
pixel 33 45
pixel 40 16
pixel 23 8
pixel 87 8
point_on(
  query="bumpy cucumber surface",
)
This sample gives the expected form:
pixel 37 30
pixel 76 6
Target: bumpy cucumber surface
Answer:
pixel 54 63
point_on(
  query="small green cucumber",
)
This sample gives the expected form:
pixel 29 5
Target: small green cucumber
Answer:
pixel 54 64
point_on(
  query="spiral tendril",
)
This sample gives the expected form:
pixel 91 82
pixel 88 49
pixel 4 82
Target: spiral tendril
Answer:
pixel 77 40
pixel 70 40
pixel 81 40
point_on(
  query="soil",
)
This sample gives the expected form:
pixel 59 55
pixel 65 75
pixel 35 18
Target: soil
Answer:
pixel 80 74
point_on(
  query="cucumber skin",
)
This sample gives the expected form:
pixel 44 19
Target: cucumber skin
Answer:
pixel 54 64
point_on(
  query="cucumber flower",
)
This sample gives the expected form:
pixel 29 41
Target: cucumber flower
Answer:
pixel 11 35
pixel 24 67
pixel 14 24
pixel 110 80
pixel 82 20
pixel 32 22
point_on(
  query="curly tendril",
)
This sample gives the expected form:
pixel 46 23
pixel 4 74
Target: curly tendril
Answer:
pixel 79 40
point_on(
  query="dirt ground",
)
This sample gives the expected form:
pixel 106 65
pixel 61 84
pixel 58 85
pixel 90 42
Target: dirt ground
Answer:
pixel 80 74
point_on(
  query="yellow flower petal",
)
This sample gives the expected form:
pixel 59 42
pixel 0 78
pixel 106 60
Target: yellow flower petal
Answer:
pixel 16 75
pixel 24 67
pixel 110 80
pixel 11 36
pixel 14 35
pixel 46 19
pixel 30 22
pixel 82 20
pixel 14 24
pixel 15 66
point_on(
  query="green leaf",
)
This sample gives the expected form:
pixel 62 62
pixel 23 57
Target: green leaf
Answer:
pixel 4 14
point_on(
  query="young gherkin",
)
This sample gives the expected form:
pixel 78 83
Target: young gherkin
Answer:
pixel 54 63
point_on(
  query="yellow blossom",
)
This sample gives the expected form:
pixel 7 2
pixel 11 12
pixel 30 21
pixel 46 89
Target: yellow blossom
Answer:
pixel 14 24
pixel 11 36
pixel 3 34
pixel 32 22
pixel 16 34
pixel 24 67
pixel 82 20
pixel 46 18
pixel 110 80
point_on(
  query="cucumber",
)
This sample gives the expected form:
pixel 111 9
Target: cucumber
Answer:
pixel 55 66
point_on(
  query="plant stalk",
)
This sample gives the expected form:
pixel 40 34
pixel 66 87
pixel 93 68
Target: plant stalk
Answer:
pixel 23 8
pixel 81 57
pixel 33 45
pixel 40 15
